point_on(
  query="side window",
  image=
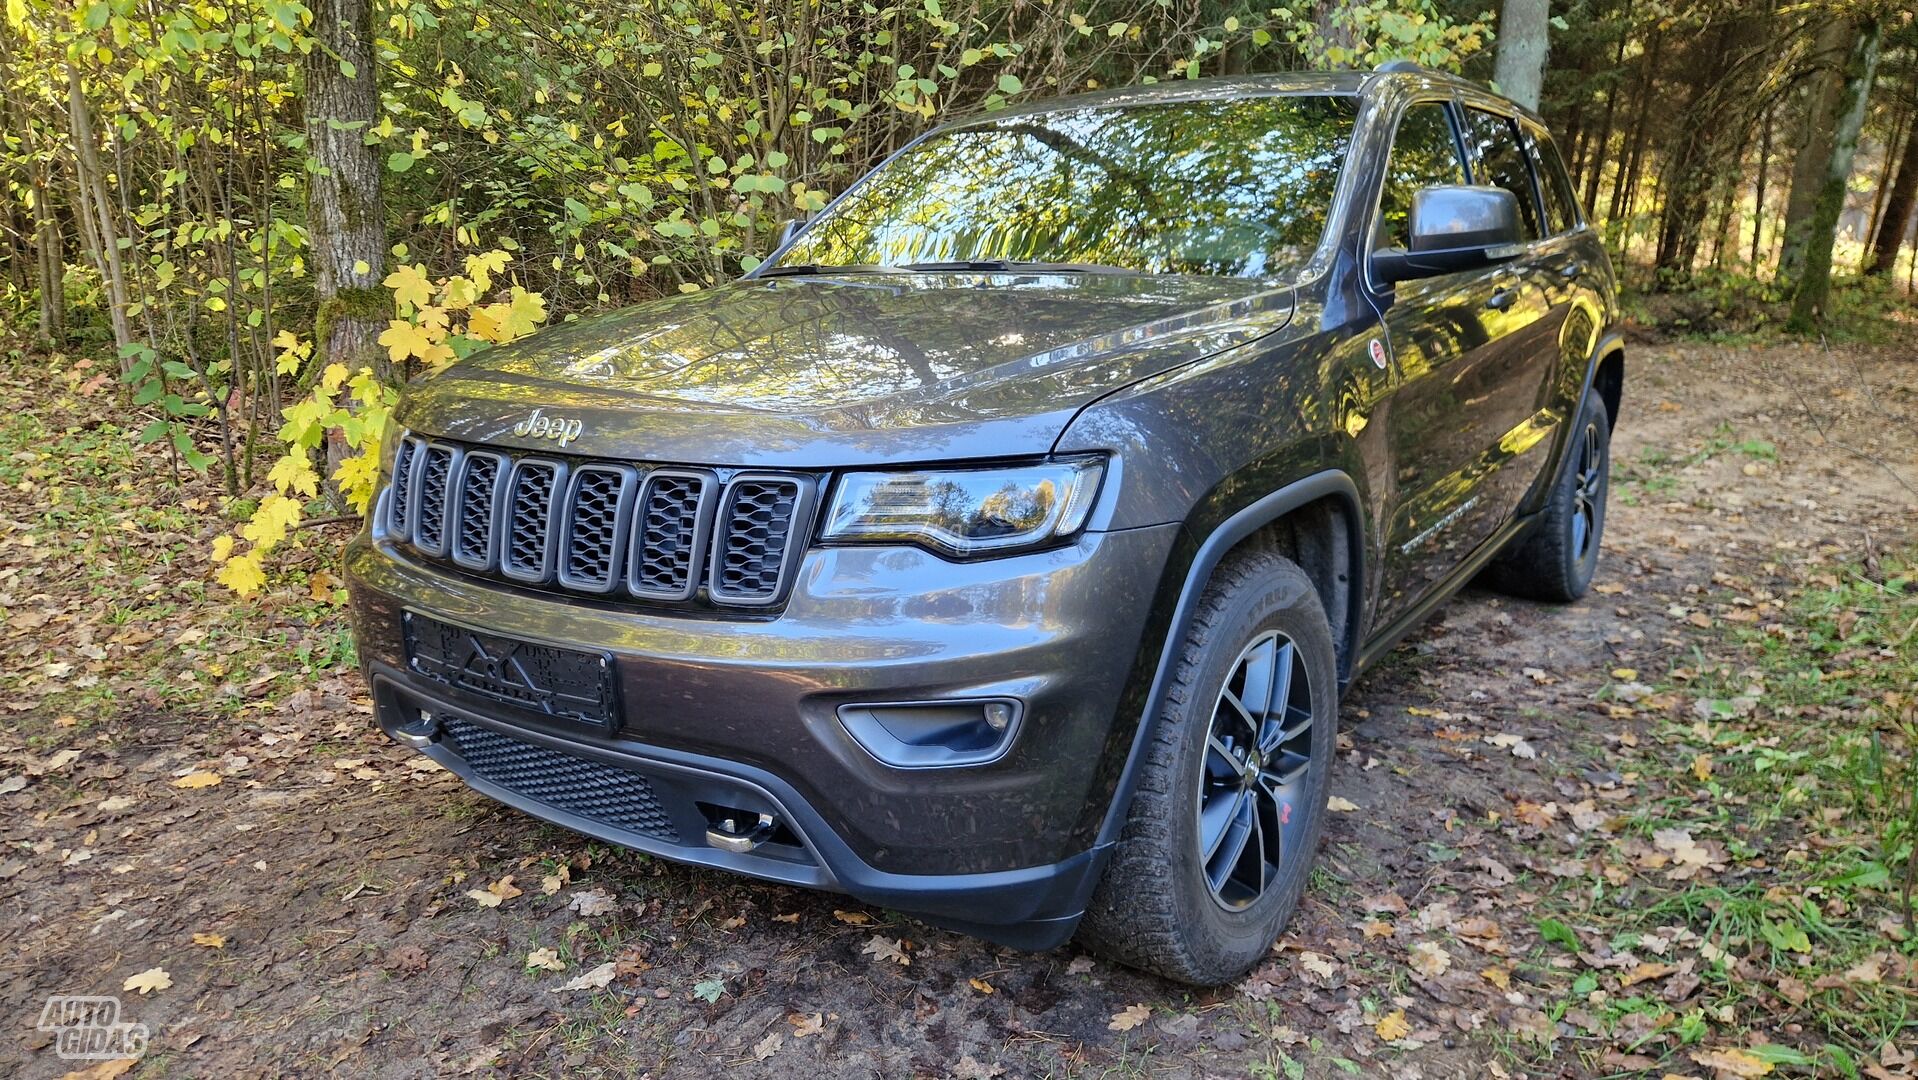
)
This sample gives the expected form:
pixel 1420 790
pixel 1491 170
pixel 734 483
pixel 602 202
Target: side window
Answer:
pixel 1498 160
pixel 1424 152
pixel 1561 202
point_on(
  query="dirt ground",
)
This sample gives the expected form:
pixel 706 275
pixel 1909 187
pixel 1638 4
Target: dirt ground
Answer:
pixel 330 878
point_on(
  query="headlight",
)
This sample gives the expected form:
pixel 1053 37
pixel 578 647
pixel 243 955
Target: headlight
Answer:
pixel 967 511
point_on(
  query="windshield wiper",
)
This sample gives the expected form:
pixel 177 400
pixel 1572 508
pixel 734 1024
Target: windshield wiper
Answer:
pixel 825 270
pixel 1026 266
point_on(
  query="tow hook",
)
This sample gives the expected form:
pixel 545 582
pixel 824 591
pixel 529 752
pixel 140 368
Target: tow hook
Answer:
pixel 738 834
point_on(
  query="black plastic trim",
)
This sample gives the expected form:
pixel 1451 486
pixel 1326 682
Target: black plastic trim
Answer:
pixel 1212 551
pixel 1035 907
pixel 805 493
pixel 416 496
pixel 502 484
pixel 556 504
pixel 701 542
pixel 622 521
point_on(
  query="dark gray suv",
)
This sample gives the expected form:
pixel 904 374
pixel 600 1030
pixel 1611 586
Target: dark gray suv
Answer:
pixel 999 549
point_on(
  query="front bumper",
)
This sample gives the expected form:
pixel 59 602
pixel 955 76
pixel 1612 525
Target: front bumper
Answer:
pixel 743 713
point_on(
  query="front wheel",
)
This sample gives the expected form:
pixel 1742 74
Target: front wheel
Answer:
pixel 1558 555
pixel 1221 833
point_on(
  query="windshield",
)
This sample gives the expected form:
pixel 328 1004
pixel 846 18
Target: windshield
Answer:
pixel 1204 187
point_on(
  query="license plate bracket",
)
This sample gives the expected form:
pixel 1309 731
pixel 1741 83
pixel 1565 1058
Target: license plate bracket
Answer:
pixel 568 684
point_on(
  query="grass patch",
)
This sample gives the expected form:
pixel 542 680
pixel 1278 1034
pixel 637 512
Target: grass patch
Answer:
pixel 1791 754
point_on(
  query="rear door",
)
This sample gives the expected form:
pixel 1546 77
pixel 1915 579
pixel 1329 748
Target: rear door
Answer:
pixel 1464 345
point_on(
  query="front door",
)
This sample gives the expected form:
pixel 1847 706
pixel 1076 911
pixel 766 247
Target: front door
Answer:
pixel 1464 346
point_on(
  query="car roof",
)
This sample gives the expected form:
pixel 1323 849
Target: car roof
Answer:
pixel 1227 87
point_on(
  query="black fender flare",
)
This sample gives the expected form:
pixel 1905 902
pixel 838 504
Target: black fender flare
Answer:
pixel 1211 552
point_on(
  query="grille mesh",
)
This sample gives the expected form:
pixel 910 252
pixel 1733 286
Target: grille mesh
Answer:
pixel 399 513
pixel 435 468
pixel 599 526
pixel 473 541
pixel 757 523
pixel 576 785
pixel 667 535
pixel 528 516
pixel 593 520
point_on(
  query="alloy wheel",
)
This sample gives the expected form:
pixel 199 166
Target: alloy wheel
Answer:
pixel 1253 774
pixel 1588 491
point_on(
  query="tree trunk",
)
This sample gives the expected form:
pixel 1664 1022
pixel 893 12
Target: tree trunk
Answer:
pixel 1601 149
pixel 1709 137
pixel 1814 279
pixel 50 260
pixel 1623 187
pixel 1524 35
pixel 1893 222
pixel 1813 150
pixel 346 223
pixel 1758 196
pixel 92 192
pixel 1894 145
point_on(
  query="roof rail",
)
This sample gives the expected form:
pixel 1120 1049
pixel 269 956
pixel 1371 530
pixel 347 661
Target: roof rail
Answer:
pixel 1400 65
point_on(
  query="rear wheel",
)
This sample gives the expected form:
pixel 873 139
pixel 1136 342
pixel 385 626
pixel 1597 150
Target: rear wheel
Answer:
pixel 1556 558
pixel 1221 833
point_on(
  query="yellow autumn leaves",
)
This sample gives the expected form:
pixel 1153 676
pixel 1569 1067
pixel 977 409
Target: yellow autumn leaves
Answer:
pixel 357 405
pixel 424 329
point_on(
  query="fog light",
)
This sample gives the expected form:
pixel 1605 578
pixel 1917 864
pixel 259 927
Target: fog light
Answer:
pixel 934 734
pixel 998 715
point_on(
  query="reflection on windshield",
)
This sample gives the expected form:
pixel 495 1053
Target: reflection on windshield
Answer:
pixel 1209 187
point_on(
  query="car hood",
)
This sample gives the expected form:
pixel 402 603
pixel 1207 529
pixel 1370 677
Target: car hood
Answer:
pixel 821 372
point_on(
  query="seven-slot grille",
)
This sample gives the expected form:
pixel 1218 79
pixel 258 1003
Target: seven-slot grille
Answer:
pixel 598 526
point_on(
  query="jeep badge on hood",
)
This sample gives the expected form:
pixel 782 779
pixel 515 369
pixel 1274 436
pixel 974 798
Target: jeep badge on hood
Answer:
pixel 548 427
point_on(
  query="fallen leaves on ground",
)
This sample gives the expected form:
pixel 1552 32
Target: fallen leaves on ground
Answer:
pixel 1129 1017
pixel 148 981
pixel 885 948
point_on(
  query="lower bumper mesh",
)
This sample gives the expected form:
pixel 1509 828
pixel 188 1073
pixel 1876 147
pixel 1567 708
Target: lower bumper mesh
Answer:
pixel 576 785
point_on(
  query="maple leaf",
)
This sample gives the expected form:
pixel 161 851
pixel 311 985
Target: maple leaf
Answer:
pixel 293 473
pixel 242 574
pixel 410 286
pixel 223 547
pixel 481 268
pixel 525 311
pixel 460 293
pixel 885 948
pixel 487 323
pixel 403 339
pixel 1393 1026
pixel 148 981
pixel 1129 1017
pixel 199 778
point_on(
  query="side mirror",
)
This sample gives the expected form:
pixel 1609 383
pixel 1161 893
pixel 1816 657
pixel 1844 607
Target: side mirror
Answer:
pixel 1454 227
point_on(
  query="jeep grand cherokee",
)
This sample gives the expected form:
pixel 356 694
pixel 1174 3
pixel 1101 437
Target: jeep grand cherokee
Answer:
pixel 999 549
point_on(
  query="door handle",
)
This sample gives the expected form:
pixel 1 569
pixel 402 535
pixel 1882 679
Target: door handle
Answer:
pixel 1503 298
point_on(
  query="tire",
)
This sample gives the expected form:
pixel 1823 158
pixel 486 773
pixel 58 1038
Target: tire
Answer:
pixel 1155 907
pixel 1555 559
